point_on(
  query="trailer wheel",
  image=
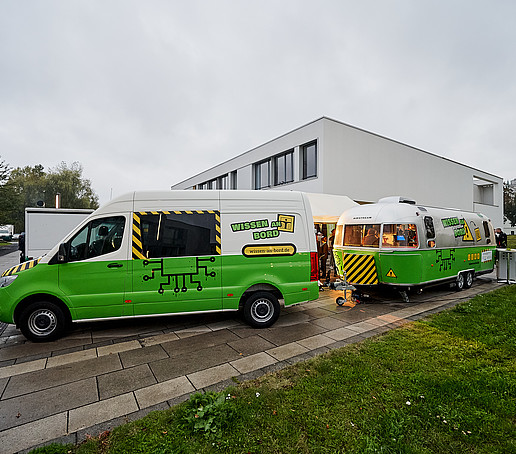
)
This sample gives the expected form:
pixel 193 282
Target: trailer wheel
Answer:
pixel 261 310
pixel 468 279
pixel 459 283
pixel 42 321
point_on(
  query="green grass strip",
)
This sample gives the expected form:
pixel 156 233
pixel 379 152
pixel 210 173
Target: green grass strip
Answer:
pixel 445 384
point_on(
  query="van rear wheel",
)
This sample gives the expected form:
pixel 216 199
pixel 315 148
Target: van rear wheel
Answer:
pixel 261 310
pixel 42 321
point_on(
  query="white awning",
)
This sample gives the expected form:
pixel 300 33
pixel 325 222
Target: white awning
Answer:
pixel 327 208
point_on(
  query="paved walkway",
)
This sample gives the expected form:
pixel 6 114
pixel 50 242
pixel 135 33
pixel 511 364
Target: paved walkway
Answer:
pixel 104 374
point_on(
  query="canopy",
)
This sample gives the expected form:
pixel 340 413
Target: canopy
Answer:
pixel 327 208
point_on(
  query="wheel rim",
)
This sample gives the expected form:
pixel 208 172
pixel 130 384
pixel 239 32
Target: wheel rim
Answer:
pixel 42 322
pixel 460 281
pixel 262 310
pixel 469 279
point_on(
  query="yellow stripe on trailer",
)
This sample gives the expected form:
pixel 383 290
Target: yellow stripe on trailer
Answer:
pixel 360 269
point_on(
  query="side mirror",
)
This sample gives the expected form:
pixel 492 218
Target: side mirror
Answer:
pixel 62 255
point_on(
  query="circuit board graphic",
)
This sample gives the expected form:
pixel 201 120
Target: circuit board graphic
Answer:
pixel 445 263
pixel 180 282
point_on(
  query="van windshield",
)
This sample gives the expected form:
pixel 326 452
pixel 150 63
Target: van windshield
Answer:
pixel 399 235
pixel 362 235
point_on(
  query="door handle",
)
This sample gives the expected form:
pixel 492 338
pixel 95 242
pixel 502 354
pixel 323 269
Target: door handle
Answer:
pixel 115 265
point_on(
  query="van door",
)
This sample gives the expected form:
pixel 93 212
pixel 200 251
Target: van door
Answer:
pixel 95 274
pixel 176 262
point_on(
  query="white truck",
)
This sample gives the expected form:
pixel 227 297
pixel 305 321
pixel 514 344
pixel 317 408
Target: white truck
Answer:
pixel 45 227
pixel 6 232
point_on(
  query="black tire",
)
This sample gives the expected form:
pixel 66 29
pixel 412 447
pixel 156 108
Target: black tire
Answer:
pixel 468 279
pixel 340 301
pixel 261 310
pixel 459 282
pixel 42 321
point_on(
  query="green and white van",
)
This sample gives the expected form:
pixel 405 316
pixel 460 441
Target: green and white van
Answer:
pixel 174 252
pixel 398 243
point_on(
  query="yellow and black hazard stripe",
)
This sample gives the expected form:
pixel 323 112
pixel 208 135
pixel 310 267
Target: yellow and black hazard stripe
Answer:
pixel 360 269
pixel 21 267
pixel 137 234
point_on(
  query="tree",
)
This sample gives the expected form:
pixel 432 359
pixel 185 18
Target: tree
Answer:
pixel 30 185
pixel 5 205
pixel 509 203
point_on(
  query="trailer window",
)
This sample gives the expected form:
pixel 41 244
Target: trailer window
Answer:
pixel 366 235
pixel 338 236
pixel 429 226
pixel 399 235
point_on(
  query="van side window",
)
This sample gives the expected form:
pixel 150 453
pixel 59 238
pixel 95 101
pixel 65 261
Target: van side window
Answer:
pixel 399 235
pixel 429 226
pixel 180 233
pixel 98 237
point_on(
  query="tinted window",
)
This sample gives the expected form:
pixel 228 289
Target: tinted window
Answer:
pixel 98 237
pixel 309 154
pixel 180 235
pixel 429 226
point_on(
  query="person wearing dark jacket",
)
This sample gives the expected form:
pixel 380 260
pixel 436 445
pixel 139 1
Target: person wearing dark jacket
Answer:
pixel 501 238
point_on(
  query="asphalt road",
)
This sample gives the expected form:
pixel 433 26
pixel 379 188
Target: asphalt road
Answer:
pixel 8 248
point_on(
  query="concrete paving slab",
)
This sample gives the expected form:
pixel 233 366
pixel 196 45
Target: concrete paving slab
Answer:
pixel 293 318
pixel 341 334
pixel 118 347
pixel 159 339
pixel 287 334
pixel 253 362
pixel 250 345
pixel 82 417
pixel 32 434
pixel 287 351
pixel 329 323
pixel 23 368
pixel 124 381
pixel 213 375
pixel 55 376
pixel 362 327
pixel 3 384
pixel 38 405
pixel 68 358
pixel 190 362
pixel 164 391
pixel 314 342
pixel 198 342
pixel 142 355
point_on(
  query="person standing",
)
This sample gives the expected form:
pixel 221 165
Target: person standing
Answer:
pixel 501 238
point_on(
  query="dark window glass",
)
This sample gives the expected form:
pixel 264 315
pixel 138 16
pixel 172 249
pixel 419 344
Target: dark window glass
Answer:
pixel 98 237
pixel 429 226
pixel 283 168
pixel 233 180
pixel 179 235
pixel 487 233
pixel 262 175
pixel 309 155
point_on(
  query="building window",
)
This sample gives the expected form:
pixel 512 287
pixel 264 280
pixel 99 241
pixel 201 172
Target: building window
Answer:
pixel 233 179
pixel 223 182
pixel 309 157
pixel 262 174
pixel 284 168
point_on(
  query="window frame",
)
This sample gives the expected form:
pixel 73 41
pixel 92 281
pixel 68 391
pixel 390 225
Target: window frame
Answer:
pixel 305 175
pixel 287 164
pixel 258 174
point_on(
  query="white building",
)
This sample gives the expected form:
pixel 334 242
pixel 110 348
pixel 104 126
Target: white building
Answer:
pixel 327 156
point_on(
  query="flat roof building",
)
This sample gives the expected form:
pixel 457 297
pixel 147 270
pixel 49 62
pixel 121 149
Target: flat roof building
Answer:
pixel 331 157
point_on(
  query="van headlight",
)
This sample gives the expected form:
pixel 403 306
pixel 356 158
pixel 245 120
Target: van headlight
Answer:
pixel 7 280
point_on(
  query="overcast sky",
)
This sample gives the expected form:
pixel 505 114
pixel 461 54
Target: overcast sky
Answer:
pixel 147 93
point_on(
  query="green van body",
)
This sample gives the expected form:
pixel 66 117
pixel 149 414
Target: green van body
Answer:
pixel 175 252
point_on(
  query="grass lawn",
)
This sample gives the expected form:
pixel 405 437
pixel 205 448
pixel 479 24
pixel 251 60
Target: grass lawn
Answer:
pixel 445 384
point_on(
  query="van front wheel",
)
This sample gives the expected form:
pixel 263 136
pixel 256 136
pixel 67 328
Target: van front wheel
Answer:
pixel 42 321
pixel 261 310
